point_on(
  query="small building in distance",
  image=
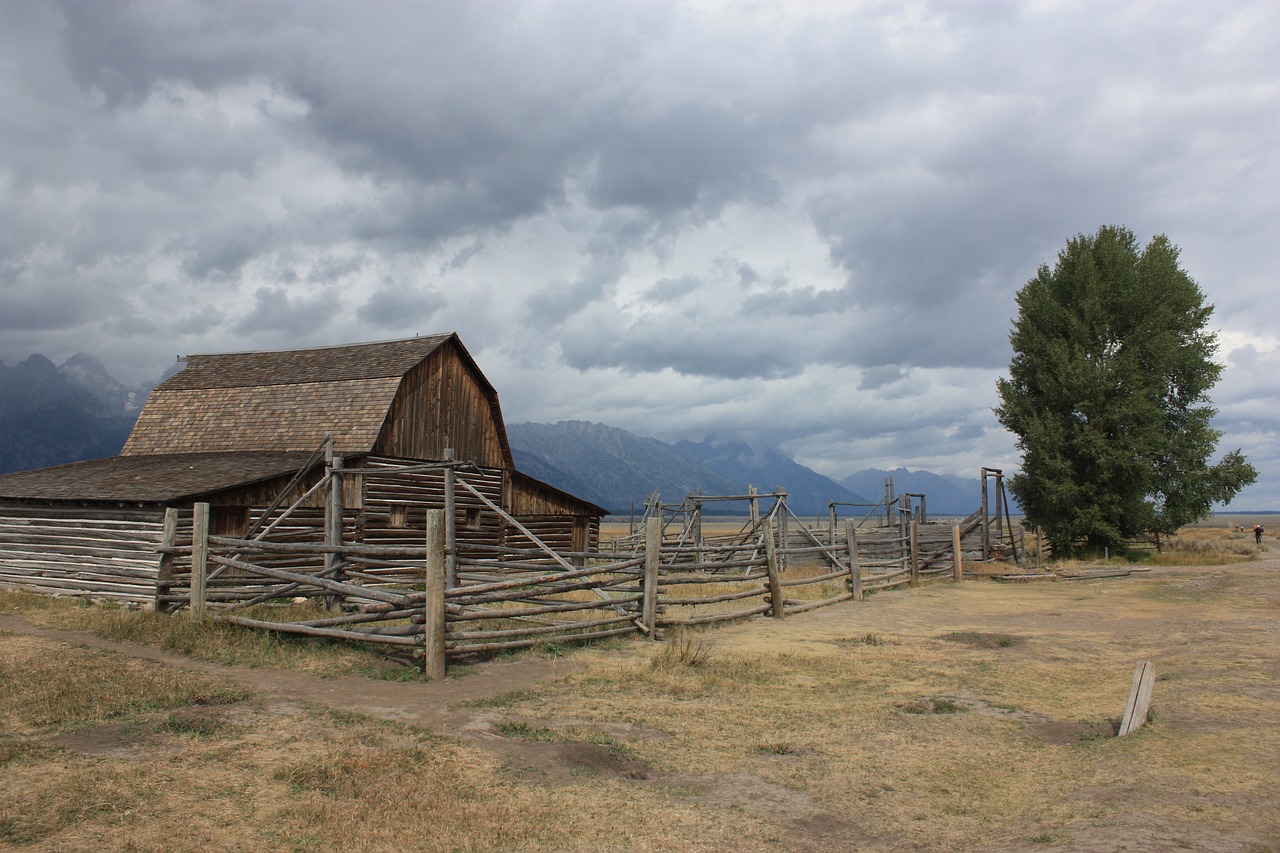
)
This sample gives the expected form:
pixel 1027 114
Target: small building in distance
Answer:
pixel 253 434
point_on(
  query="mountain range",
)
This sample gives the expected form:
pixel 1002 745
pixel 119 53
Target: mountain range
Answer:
pixel 53 414
pixel 619 470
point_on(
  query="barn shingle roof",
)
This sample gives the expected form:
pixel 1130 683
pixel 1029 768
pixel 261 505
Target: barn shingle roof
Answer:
pixel 384 360
pixel 278 401
pixel 154 479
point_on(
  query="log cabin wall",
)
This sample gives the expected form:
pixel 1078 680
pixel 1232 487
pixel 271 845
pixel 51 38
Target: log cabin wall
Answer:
pixel 102 551
pixel 394 510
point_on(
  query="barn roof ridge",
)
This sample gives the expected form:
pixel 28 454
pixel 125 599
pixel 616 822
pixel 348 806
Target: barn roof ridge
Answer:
pixel 434 335
pixel 337 363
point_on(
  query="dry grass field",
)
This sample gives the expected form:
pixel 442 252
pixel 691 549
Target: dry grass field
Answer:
pixel 974 716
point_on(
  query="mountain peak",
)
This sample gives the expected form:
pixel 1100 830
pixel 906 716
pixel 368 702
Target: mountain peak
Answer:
pixel 36 363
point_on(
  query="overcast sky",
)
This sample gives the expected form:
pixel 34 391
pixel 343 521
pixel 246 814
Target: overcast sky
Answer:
pixel 800 224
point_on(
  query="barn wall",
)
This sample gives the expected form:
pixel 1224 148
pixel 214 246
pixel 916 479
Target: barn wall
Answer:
pixel 103 551
pixel 442 403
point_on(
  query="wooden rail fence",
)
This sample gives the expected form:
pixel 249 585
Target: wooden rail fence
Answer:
pixel 430 603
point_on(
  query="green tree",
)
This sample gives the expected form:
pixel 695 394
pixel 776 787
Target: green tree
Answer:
pixel 1108 395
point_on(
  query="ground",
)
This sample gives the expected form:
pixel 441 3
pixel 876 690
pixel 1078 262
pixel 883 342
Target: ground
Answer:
pixel 973 716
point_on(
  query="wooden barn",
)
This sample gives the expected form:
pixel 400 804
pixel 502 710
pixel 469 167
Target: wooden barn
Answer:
pixel 348 444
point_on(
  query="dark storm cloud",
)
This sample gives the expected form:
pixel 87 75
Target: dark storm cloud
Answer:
pixel 694 348
pixel 668 289
pixel 879 377
pixel 277 310
pixel 222 253
pixel 796 302
pixel 398 307
pixel 459 259
pixel 692 157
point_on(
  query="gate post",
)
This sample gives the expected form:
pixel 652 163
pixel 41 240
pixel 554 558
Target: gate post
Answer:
pixel 915 550
pixel 199 556
pixel 450 521
pixel 777 604
pixel 433 626
pixel 957 555
pixel 855 570
pixel 652 558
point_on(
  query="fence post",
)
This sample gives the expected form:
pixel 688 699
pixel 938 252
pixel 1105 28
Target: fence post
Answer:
pixel 957 553
pixel 986 520
pixel 450 521
pixel 697 529
pixel 433 663
pixel 855 570
pixel 333 517
pixel 915 550
pixel 776 602
pixel 831 524
pixel 784 529
pixel 164 572
pixel 199 556
pixel 652 559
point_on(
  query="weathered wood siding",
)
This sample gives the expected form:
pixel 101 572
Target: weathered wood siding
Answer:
pixel 444 403
pixel 102 551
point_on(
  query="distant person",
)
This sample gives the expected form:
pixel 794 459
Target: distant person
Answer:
pixel 1257 533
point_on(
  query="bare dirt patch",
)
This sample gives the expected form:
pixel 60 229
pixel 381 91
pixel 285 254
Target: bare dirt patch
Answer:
pixel 983 640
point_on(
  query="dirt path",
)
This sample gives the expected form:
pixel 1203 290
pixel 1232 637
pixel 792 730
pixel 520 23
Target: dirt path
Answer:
pixel 438 706
pixel 431 705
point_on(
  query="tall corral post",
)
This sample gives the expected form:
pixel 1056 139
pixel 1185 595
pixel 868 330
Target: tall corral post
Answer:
pixel 433 663
pixel 855 569
pixel 986 522
pixel 784 527
pixel 697 529
pixel 914 533
pixel 831 522
pixel 754 503
pixel 652 559
pixel 957 554
pixel 999 475
pixel 776 602
pixel 199 556
pixel 333 512
pixel 450 521
pixel 904 542
pixel 164 572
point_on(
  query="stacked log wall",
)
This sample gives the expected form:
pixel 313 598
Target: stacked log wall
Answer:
pixel 104 552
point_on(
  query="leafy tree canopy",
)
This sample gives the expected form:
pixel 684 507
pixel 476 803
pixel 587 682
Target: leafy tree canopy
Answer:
pixel 1108 395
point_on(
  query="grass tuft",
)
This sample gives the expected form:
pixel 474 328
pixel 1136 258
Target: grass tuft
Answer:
pixel 682 650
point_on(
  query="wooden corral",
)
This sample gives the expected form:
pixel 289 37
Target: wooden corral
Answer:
pixel 523 593
pixel 332 445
